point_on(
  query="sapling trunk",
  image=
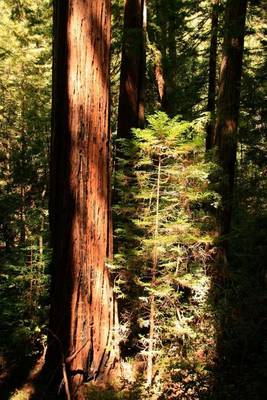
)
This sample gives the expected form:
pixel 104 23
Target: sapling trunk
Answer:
pixel 153 280
pixel 22 216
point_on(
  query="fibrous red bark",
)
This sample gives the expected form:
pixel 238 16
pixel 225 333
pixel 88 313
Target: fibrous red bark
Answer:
pixel 83 306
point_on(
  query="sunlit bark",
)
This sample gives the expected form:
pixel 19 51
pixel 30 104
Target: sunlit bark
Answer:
pixel 160 58
pixel 159 77
pixel 82 310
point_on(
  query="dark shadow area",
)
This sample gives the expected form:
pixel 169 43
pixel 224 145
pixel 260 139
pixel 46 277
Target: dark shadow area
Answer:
pixel 239 295
pixel 14 375
pixel 126 240
pixel 20 343
pixel 240 304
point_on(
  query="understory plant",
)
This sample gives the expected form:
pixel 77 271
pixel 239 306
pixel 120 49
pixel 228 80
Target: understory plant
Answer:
pixel 164 200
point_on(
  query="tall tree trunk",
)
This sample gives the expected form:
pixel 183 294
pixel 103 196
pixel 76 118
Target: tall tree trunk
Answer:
pixel 83 307
pixel 228 103
pixel 168 12
pixel 159 76
pixel 160 54
pixel 142 90
pixel 131 100
pixel 210 140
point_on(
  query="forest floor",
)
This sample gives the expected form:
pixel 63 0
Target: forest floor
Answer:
pixel 17 381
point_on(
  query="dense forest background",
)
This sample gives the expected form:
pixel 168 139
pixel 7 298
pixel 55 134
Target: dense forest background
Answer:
pixel 191 292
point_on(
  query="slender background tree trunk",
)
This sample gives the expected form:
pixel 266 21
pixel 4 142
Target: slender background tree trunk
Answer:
pixel 210 141
pixel 169 26
pixel 133 65
pixel 228 103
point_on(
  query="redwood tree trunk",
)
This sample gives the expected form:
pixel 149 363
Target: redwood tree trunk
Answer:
pixel 228 103
pixel 131 100
pixel 210 140
pixel 82 310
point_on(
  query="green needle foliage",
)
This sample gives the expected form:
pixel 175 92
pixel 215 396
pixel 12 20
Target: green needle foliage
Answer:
pixel 25 91
pixel 190 327
pixel 170 233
